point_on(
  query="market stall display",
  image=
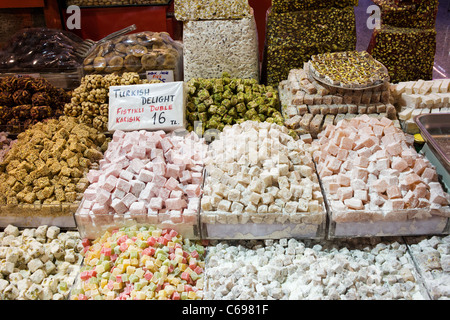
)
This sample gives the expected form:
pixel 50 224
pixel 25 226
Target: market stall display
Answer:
pixel 408 14
pixel 290 269
pixel 215 103
pixel 260 183
pixel 137 52
pixel 212 47
pixel 193 10
pixel 25 101
pixel 38 263
pixel 43 176
pixel 413 98
pixel 142 263
pixel 293 37
pixel 148 177
pixel 374 178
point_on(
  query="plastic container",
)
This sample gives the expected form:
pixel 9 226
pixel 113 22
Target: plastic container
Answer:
pixel 33 216
pixel 92 226
pixel 137 52
pixel 398 223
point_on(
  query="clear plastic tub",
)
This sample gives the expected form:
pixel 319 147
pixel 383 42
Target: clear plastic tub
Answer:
pixel 92 226
pixel 33 215
pixel 409 222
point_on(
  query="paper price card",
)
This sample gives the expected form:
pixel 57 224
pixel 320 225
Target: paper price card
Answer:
pixel 157 106
pixel 161 75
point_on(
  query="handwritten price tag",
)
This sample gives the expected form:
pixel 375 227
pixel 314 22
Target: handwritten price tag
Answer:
pixel 162 75
pixel 158 106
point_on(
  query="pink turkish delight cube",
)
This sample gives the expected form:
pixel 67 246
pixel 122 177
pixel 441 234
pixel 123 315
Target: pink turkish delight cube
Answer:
pixel 93 175
pixel 175 216
pixel 193 190
pixel 136 165
pixel 175 204
pixel 166 144
pixel 172 170
pixel 90 193
pixel 98 208
pixel 136 187
pixel 126 175
pixel 119 206
pixel 159 181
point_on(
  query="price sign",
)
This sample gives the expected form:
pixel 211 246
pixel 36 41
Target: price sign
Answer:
pixel 157 106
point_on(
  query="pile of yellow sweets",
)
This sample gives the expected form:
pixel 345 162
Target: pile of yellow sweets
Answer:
pixel 141 263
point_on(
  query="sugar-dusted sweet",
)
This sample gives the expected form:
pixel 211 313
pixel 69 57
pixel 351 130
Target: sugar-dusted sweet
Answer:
pixel 386 176
pixel 142 263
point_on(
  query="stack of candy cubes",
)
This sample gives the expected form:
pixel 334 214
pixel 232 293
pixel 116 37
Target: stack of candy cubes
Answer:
pixel 141 263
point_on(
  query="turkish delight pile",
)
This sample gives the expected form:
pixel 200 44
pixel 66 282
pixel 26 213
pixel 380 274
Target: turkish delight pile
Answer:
pixel 257 173
pixel 369 164
pixel 288 269
pixel 148 174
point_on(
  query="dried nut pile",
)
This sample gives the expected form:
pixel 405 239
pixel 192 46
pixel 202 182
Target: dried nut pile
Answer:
pixel 371 171
pixel 39 263
pixel 351 69
pixel 416 97
pixel 257 173
pixel 141 263
pixel 280 6
pixel 5 144
pixel 191 10
pixel 137 52
pixel 407 53
pixel 49 161
pixel 226 101
pixel 410 14
pixel 432 256
pixel 357 269
pixel 90 100
pixel 25 101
